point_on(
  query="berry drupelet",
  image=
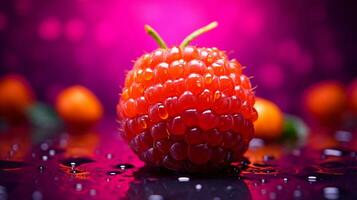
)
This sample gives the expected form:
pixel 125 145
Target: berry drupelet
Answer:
pixel 187 108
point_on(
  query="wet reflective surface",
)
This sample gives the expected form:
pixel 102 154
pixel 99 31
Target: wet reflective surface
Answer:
pixel 99 165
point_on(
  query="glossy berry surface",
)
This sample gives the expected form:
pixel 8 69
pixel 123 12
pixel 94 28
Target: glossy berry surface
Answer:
pixel 187 109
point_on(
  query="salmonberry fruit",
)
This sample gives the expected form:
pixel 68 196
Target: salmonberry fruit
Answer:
pixel 187 108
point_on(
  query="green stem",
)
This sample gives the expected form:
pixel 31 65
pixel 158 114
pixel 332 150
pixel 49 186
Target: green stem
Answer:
pixel 197 33
pixel 156 36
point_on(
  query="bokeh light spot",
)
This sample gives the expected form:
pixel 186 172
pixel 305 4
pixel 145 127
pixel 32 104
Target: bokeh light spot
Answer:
pixel 3 21
pixel 105 34
pixel 289 51
pixel 271 75
pixel 252 23
pixel 50 29
pixel 74 30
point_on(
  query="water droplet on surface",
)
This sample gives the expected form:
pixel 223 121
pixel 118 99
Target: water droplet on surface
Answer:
pixel 332 152
pixel 256 143
pixel 279 187
pixel 3 193
pixel 198 187
pixel 155 197
pixel 109 156
pixel 297 193
pixel 285 180
pixel 45 158
pixel 63 143
pixel 113 173
pixel 216 198
pixel 343 136
pixel 296 152
pixel 44 146
pixel 33 155
pixel 52 152
pixel 229 187
pixel 124 166
pixel 11 153
pixel 15 147
pixel 37 195
pixel 77 161
pixel 41 168
pixel 263 191
pixel 272 195
pixel 267 158
pixel 312 179
pixel 263 180
pixel 331 193
pixel 78 187
pixel 92 192
pixel 183 179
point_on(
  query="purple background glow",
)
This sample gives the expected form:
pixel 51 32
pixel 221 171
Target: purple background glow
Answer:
pixel 286 45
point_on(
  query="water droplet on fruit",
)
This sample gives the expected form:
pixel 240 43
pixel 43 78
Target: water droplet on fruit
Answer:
pixel 279 187
pixel 183 179
pixel 198 187
pixel 331 193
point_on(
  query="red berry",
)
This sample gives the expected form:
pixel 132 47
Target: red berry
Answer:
pixel 199 154
pixel 187 108
pixel 178 151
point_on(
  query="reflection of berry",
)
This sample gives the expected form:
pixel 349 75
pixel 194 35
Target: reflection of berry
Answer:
pixel 187 108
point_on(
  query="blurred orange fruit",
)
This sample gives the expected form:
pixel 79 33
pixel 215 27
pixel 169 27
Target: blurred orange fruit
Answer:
pixel 79 107
pixel 15 97
pixel 269 125
pixel 325 101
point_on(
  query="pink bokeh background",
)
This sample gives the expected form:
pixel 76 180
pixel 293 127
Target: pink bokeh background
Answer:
pixel 286 45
